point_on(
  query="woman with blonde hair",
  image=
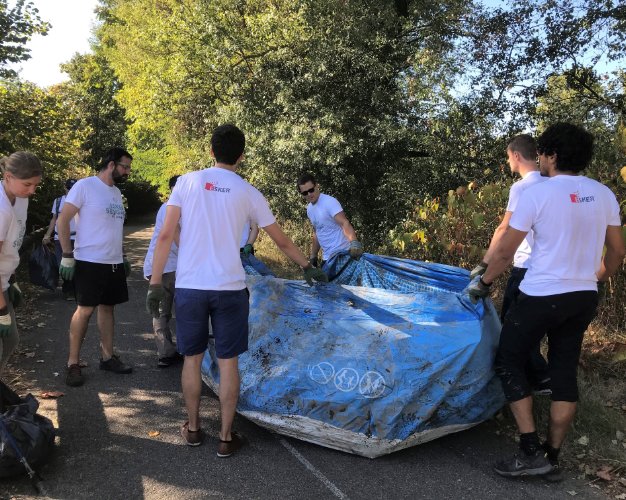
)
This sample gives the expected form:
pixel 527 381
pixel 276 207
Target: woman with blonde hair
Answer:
pixel 21 174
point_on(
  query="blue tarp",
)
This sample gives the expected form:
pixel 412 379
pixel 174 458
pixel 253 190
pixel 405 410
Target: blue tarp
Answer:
pixel 390 354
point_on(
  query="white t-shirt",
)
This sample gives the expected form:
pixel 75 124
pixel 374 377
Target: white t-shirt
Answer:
pixel 170 265
pixel 99 221
pixel 329 234
pixel 57 210
pixel 245 235
pixel 215 205
pixel 569 216
pixel 12 229
pixel 523 251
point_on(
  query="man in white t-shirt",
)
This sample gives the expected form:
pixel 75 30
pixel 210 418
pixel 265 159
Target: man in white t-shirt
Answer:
pixel 215 204
pixel 67 287
pixel 572 218
pixel 100 268
pixel 522 157
pixel 166 349
pixel 332 231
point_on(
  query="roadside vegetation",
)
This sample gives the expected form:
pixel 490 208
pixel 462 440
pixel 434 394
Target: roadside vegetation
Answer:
pixel 401 108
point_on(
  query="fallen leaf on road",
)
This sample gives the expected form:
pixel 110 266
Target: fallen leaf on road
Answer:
pixel 153 433
pixel 51 394
pixel 40 325
pixel 604 473
pixel 30 354
pixel 40 361
pixel 56 374
pixel 573 493
pixel 583 441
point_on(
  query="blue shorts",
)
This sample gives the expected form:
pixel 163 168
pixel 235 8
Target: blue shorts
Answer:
pixel 228 312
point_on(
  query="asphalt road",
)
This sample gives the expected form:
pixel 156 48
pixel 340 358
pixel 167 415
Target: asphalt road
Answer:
pixel 105 449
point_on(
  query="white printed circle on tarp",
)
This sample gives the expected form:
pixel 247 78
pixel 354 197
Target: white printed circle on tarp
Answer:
pixel 346 379
pixel 322 373
pixel 372 385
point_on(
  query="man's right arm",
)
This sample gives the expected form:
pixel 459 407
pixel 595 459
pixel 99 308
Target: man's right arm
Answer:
pixel 46 237
pixel 315 248
pixel 497 236
pixel 63 225
pixel 287 246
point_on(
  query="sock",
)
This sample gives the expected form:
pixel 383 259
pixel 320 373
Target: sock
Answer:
pixel 553 453
pixel 529 443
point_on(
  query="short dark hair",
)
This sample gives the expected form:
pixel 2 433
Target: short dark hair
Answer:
pixel 572 144
pixel 525 145
pixel 228 143
pixel 113 155
pixel 69 183
pixel 172 181
pixel 304 178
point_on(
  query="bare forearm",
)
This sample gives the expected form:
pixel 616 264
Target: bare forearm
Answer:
pixel 161 252
pixel 63 226
pixel 497 236
pixel 610 264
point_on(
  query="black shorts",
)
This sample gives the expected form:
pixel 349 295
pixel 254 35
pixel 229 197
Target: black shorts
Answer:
pixel 100 284
pixel 564 319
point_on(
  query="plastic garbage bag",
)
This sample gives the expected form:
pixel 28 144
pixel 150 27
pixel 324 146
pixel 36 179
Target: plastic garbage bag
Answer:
pixel 43 267
pixel 24 435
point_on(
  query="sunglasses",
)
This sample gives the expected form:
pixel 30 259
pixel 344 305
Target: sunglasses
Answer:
pixel 308 191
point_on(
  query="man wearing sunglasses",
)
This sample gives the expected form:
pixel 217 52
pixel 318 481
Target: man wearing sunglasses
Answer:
pixel 332 230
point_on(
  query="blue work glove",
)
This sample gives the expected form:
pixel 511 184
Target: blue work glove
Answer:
pixel 313 273
pixel 356 249
pixel 5 322
pixel 153 300
pixel 478 289
pixel 248 249
pixel 15 294
pixel 126 267
pixel 479 270
pixel 67 267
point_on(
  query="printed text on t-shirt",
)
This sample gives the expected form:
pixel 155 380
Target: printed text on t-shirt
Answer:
pixel 574 198
pixel 209 186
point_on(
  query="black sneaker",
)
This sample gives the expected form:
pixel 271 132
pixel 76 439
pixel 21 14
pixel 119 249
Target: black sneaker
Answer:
pixel 115 365
pixel 521 464
pixel 74 376
pixel 170 360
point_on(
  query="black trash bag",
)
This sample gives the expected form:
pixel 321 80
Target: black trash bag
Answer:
pixel 30 433
pixel 43 267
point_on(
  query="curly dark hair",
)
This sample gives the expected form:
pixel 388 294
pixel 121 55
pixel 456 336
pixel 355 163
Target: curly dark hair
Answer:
pixel 572 144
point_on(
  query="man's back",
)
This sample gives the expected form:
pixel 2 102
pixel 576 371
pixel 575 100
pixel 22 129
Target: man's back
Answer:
pixel 215 205
pixel 571 214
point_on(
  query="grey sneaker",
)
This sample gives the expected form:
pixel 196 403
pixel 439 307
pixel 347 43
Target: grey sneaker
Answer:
pixel 74 376
pixel 521 464
pixel 115 365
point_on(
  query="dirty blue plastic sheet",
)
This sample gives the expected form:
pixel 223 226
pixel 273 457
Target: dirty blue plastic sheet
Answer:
pixel 388 355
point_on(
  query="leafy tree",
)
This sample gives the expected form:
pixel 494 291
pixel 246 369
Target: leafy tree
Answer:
pixel 39 121
pixel 17 26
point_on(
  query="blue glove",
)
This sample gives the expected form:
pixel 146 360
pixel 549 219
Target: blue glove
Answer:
pixel 67 267
pixel 478 289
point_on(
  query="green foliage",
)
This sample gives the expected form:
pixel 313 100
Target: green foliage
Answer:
pixel 456 231
pixel 17 26
pixel 38 120
pixel 91 93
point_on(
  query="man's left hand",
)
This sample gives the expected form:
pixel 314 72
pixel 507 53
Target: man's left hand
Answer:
pixel 478 289
pixel 356 249
pixel 126 267
pixel 15 294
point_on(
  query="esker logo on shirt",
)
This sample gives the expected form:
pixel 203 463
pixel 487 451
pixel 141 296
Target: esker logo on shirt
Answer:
pixel 574 198
pixel 209 186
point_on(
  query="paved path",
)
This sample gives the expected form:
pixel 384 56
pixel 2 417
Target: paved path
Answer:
pixel 105 450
